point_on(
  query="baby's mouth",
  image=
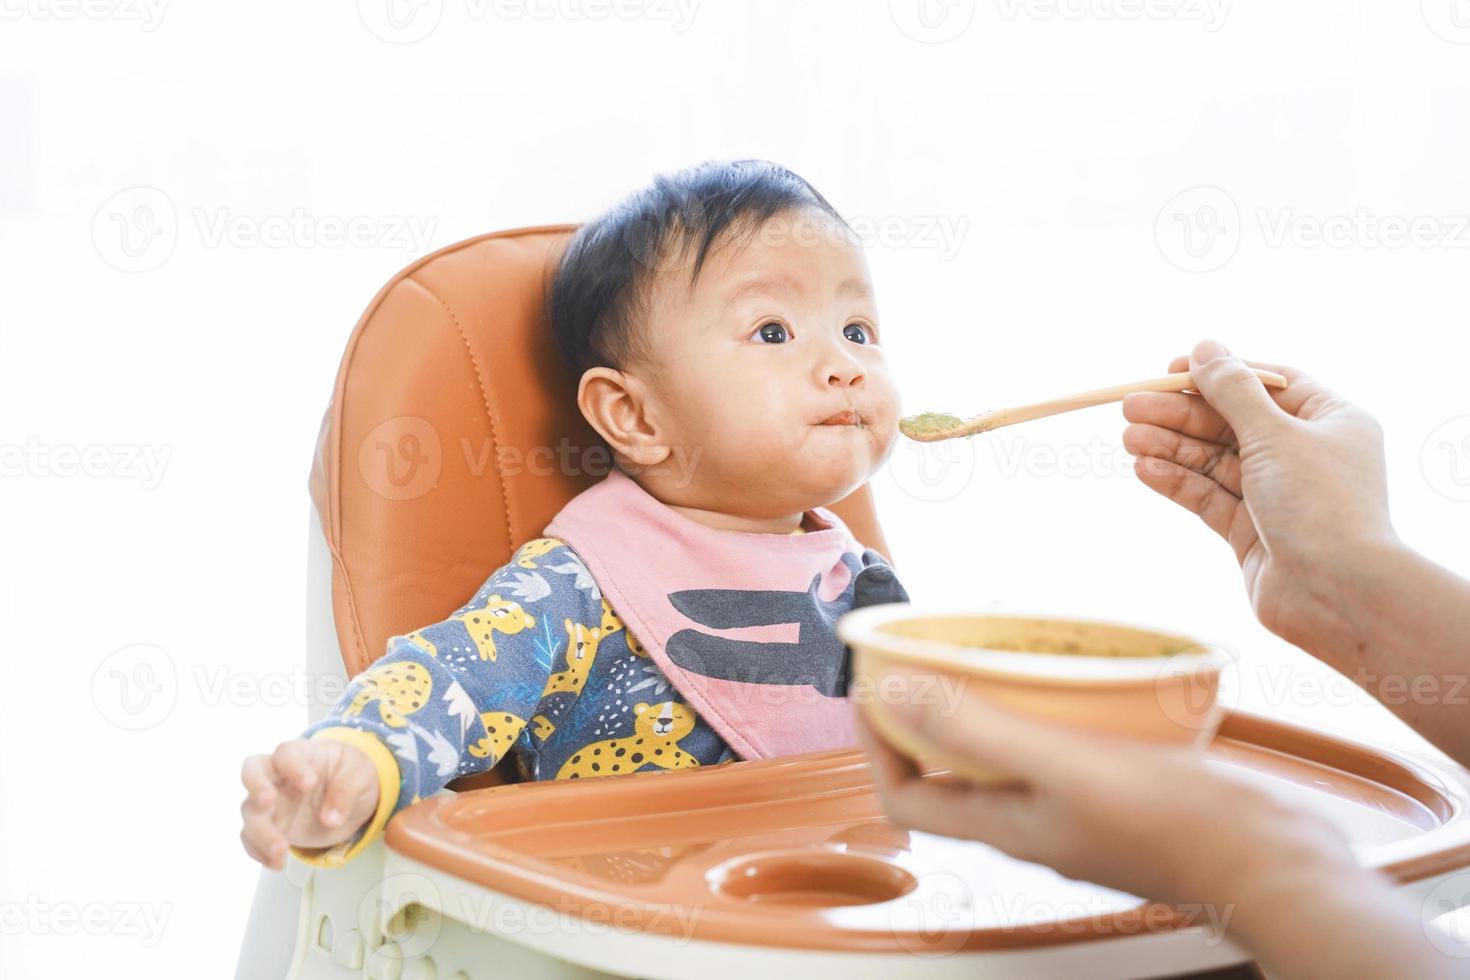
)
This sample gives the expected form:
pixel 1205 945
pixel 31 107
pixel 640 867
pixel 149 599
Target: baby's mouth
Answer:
pixel 846 417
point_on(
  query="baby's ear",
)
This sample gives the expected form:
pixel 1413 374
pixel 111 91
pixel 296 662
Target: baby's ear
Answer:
pixel 616 404
pixel 640 708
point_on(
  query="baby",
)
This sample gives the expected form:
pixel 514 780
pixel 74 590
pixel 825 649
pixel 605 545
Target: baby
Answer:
pixel 681 612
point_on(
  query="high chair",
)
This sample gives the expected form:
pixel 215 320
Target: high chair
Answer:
pixel 451 438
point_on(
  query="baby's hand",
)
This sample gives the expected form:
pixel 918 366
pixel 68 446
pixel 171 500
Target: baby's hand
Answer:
pixel 307 794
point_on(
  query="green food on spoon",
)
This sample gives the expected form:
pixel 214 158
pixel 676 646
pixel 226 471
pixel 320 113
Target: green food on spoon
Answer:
pixel 927 423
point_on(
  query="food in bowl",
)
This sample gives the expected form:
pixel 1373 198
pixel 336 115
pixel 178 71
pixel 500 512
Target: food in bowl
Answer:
pixel 1100 676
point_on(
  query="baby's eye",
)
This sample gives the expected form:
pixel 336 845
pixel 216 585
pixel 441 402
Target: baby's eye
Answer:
pixel 856 332
pixel 773 333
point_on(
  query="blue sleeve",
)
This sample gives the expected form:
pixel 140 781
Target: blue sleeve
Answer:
pixel 451 699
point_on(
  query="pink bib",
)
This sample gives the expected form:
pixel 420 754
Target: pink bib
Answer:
pixel 742 623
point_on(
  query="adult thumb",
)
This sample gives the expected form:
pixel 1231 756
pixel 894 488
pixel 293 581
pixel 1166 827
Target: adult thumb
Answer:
pixel 1232 389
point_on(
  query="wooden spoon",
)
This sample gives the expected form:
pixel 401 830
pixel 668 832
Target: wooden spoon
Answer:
pixel 935 426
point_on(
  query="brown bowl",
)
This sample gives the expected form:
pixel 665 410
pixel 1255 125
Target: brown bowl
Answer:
pixel 1099 676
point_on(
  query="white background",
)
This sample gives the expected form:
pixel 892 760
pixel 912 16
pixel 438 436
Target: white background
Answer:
pixel 1022 162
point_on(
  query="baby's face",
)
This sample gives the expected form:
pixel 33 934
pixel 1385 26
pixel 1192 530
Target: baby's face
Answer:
pixel 769 376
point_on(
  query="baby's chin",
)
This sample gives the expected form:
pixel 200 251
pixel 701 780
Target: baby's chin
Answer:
pixel 806 483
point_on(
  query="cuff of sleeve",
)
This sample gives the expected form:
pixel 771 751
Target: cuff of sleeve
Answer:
pixel 388 779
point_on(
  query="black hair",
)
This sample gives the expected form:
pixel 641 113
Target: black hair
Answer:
pixel 602 283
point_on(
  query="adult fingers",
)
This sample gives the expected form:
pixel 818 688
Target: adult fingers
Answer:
pixel 889 767
pixel 1301 397
pixel 1233 390
pixel 1189 414
pixel 993 736
pixel 997 816
pixel 1219 463
pixel 1201 495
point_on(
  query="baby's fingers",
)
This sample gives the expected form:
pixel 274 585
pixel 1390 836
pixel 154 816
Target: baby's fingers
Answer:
pixel 256 775
pixel 348 785
pixel 292 762
pixel 263 840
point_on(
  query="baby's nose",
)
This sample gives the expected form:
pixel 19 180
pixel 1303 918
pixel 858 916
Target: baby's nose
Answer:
pixel 844 371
